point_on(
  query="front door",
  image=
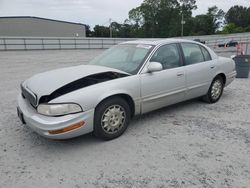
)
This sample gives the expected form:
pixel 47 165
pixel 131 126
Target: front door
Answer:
pixel 166 87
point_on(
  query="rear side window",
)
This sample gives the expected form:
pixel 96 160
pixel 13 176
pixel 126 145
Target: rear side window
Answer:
pixel 192 53
pixel 206 54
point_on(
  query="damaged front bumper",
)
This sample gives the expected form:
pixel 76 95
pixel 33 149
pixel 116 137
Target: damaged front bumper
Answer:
pixel 50 126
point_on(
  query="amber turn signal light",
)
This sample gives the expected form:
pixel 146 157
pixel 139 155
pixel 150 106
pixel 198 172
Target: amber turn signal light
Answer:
pixel 69 128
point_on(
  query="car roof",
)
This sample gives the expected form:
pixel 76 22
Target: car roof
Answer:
pixel 157 41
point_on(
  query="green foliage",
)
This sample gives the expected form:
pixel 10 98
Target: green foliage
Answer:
pixel 237 19
pixel 162 18
pixel 232 28
pixel 88 31
pixel 247 29
pixel 238 15
pixel 207 24
pixel 101 31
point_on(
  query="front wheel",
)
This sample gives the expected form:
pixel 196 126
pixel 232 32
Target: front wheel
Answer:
pixel 215 91
pixel 112 117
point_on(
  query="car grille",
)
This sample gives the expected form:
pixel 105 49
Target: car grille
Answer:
pixel 28 95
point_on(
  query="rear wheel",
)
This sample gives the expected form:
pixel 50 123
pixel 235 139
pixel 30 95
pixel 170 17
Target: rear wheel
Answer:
pixel 215 91
pixel 112 117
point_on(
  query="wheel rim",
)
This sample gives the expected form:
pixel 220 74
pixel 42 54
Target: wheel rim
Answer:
pixel 113 119
pixel 216 90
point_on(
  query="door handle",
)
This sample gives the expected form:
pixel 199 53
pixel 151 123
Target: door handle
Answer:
pixel 212 67
pixel 180 74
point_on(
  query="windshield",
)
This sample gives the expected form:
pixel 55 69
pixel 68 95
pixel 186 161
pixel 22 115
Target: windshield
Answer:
pixel 124 57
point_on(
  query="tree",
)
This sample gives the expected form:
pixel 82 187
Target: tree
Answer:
pixel 161 18
pixel 101 31
pixel 216 15
pixel 88 31
pixel 237 19
pixel 136 17
pixel 238 15
pixel 187 6
pixel 209 23
pixel 232 28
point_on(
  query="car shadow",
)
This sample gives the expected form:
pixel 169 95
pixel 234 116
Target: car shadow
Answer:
pixel 90 138
pixel 172 109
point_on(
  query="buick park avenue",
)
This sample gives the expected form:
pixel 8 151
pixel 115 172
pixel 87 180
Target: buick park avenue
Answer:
pixel 128 79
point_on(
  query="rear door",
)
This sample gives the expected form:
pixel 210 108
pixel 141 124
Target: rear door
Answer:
pixel 199 67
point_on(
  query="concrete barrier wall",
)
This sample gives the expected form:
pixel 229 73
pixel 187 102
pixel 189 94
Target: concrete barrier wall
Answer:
pixel 48 43
pixel 36 43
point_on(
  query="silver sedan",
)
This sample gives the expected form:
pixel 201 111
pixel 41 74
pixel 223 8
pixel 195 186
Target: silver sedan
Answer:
pixel 129 79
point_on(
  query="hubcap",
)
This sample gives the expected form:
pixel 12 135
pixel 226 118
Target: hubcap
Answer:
pixel 216 90
pixel 113 119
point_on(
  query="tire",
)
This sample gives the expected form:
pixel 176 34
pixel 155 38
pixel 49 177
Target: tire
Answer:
pixel 215 91
pixel 111 119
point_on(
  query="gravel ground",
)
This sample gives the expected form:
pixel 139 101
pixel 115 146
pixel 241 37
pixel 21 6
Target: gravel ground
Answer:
pixel 191 144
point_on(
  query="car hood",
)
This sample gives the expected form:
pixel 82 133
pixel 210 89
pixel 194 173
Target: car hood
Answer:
pixel 48 82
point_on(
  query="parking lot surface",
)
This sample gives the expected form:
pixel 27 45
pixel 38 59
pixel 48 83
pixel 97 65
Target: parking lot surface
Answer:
pixel 191 144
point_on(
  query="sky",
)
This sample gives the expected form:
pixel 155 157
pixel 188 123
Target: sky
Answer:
pixel 92 12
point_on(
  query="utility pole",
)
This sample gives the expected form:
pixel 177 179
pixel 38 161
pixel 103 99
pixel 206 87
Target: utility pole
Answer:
pixel 182 24
pixel 110 28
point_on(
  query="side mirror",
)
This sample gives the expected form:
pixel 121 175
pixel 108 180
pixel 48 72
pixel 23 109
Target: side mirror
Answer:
pixel 155 67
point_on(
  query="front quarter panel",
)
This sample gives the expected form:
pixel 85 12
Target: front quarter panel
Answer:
pixel 90 97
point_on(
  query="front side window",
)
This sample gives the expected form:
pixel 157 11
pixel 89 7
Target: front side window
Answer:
pixel 192 53
pixel 168 56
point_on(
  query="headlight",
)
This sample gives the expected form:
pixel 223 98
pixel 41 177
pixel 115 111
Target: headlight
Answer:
pixel 58 109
